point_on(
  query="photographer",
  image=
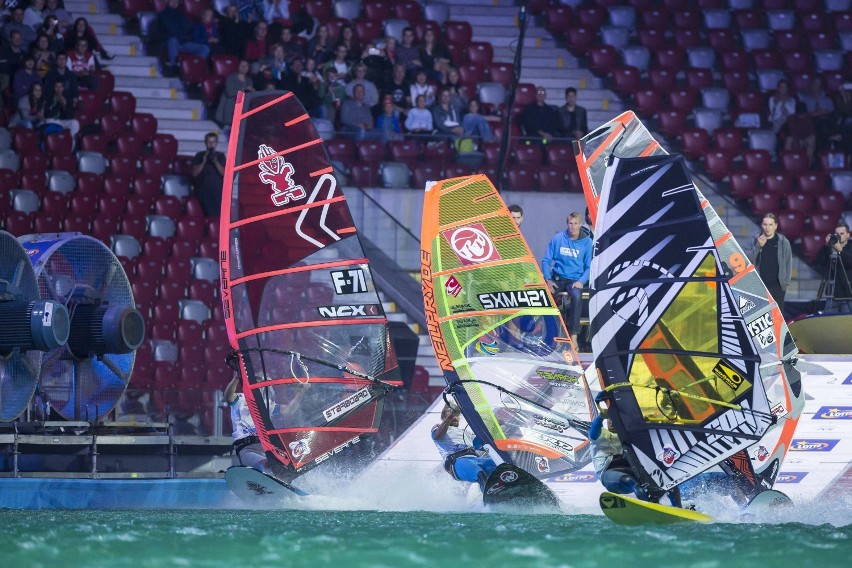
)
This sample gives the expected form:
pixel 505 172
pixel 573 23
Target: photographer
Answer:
pixel 208 173
pixel 837 251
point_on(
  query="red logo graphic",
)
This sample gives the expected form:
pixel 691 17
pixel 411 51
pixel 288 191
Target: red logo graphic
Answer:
pixel 277 173
pixel 471 244
pixel 299 449
pixel 453 286
pixel 669 456
pixel 542 464
pixel 762 453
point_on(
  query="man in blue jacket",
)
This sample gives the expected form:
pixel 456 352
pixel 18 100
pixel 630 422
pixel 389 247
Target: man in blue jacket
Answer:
pixel 566 268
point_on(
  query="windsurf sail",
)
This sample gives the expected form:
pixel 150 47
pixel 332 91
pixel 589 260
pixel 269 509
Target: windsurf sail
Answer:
pixel 300 304
pixel 624 136
pixel 497 333
pixel 694 355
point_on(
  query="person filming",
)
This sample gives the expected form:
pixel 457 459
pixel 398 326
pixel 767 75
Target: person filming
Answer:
pixel 836 256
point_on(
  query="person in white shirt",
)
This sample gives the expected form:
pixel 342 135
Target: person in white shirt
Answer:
pixel 247 446
pixel 419 119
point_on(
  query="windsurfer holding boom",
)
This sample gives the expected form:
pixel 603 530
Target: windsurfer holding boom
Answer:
pixel 611 467
pixel 246 443
pixel 462 461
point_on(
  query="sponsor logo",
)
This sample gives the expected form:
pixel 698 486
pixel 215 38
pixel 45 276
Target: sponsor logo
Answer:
pixel 257 488
pixel 728 375
pixel 834 413
pixel 778 410
pixel 550 423
pixel 351 281
pixel 579 477
pixel 791 477
pixel 349 403
pixel 223 279
pixel 459 308
pixel 551 441
pixel 508 477
pixel 668 456
pixel 536 298
pixel 299 449
pixel 471 244
pixel 432 323
pixel 338 449
pixel 489 348
pixel 348 311
pixel 813 445
pixel 746 305
pixel 453 287
pixel 848 380
pixel 463 323
pixel 33 251
pixel 761 330
pixel 559 380
pixel 762 453
pixel 571 401
pixel 277 173
pixel 542 464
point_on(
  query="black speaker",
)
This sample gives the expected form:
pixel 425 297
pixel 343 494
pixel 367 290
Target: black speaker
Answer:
pixel 405 343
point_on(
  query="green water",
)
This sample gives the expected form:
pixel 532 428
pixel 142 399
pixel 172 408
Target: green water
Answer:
pixel 344 539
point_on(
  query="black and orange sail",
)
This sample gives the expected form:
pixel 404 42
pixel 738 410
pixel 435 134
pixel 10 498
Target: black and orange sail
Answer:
pixel 299 300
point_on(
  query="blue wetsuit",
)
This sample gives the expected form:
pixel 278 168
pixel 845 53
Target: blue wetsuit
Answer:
pixel 461 461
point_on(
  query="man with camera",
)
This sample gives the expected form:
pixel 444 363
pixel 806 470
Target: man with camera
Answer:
pixel 837 258
pixel 208 173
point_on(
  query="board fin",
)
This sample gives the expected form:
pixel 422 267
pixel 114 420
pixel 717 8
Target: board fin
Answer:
pixel 254 486
pixel 629 511
pixel 510 485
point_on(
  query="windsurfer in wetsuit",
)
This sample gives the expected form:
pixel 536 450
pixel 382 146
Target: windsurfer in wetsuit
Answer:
pixel 611 467
pixel 246 443
pixel 462 461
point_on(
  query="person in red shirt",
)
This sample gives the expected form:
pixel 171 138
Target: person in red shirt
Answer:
pixel 258 46
pixel 81 62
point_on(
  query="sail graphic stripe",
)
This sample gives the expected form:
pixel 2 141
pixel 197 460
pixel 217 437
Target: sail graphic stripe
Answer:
pixel 296 269
pixel 266 216
pixel 318 323
pixel 297 120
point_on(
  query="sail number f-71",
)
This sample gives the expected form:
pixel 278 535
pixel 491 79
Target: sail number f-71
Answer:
pixel 536 298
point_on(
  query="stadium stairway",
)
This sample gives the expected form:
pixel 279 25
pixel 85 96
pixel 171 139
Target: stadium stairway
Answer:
pixel 140 74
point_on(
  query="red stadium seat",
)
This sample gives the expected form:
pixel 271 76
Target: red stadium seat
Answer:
pixel 500 72
pixel 34 163
pixel 155 166
pixel 365 174
pixel 76 224
pixel 743 185
pixel 602 58
pixel 812 244
pixel 55 203
pixel 44 222
pixel 683 99
pixel 367 29
pixel 695 142
pixel 155 248
pixel 211 89
pixel 458 32
pixel 522 179
pixel 371 150
pixel 795 162
pixel 408 10
pixel 718 164
pixel 580 39
pixel 404 150
pixel 780 183
pixel 661 79
pixel 551 179
pixel 758 161
pixel 169 206
pixel 560 18
pixel 123 165
pixel 722 39
pixel 802 202
pixel 687 19
pixel 591 16
pixel 626 80
pixel 798 62
pixel 84 204
pixel 192 68
pixel 59 143
pixel 529 155
pixel 791 224
pixel 123 104
pixel 729 139
pixel 104 226
pixel 319 9
pixel 190 229
pixel 25 140
pixel 472 73
pixel 813 182
pixel 698 78
pixel 129 144
pixel 655 18
pixel 130 9
pixel 423 173
pixel 672 122
pixel 480 53
pixel 832 202
pixel 113 126
pixel 137 206
pixel 824 223
pixel 673 59
pixel 164 146
pixel 224 65
pixel 763 203
pixel 94 143
pixel 652 38
pixel 144 125
pixel 133 226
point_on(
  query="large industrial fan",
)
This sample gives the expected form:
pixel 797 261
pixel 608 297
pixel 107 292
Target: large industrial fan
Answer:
pixel 84 379
pixel 29 326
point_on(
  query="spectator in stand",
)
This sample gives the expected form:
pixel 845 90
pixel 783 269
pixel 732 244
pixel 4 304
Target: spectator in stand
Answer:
pixel 838 250
pixel 50 28
pixel 82 29
pixel 276 10
pixel 434 57
pixel 419 119
pixel 377 63
pixel 16 23
pixel 841 131
pixel 277 62
pixel 302 87
pixel 25 78
pixel 772 256
pixel 312 73
pixel 820 107
pixel 799 132
pixel 208 172
pixel 573 117
pixel 11 58
pixel 332 92
pixel 452 81
pixel 387 123
pixel 390 49
pixel 34 14
pixel 61 74
pixel 206 32
pixel 44 57
pixel 517 213
pixel 421 87
pixel 58 109
pixel 339 62
pixel 251 11
pixel 782 105
pixel 292 48
pixel 258 46
pixel 355 115
pixel 539 119
pixel 474 124
pixel 398 88
pixel 347 38
pixel 408 53
pixel 30 112
pixel 81 62
pixel 236 82
pixel 371 93
pixel 264 79
pixel 63 17
pixel 233 31
pixel 177 30
pixel 446 118
pixel 320 47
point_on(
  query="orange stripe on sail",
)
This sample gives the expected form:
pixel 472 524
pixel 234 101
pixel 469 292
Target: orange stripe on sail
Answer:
pixel 478 313
pixel 478 265
pixel 510 445
pixel 291 270
pixel 650 149
pixel 723 239
pixel 321 172
pixel 346 231
pixel 736 277
pixel 339 380
pixel 321 429
pixel 296 120
pixel 266 106
pixel 296 209
pixel 281 153
pixel 321 323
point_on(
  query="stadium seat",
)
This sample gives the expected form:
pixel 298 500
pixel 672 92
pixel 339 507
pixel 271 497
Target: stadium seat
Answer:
pixel 602 59
pixel 824 223
pixel 458 32
pixel 763 203
pixel 500 72
pixel 791 224
pixel 780 183
pixel 224 65
pixel 615 36
pixel 44 222
pixel 672 121
pixel 551 179
pixel 651 39
pixel 122 104
pixel 144 126
pixel 626 80
pixel 743 185
pixel 18 223
pixel 395 175
pixel 192 69
pixel 164 146
pixel 522 179
pixel 54 203
pixel 687 38
pixel 718 164
pixel 580 40
pixel 371 150
pixel 25 200
pixel 480 53
pixel 832 202
pixel 695 142
pixel 426 172
pixel 801 202
pixel 812 244
pixel 126 246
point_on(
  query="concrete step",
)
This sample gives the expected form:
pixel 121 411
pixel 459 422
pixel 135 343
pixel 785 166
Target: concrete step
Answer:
pixel 176 109
pixel 154 91
pixel 483 12
pixel 85 8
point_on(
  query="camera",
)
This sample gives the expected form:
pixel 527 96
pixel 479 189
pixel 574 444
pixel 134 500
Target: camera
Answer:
pixel 834 239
